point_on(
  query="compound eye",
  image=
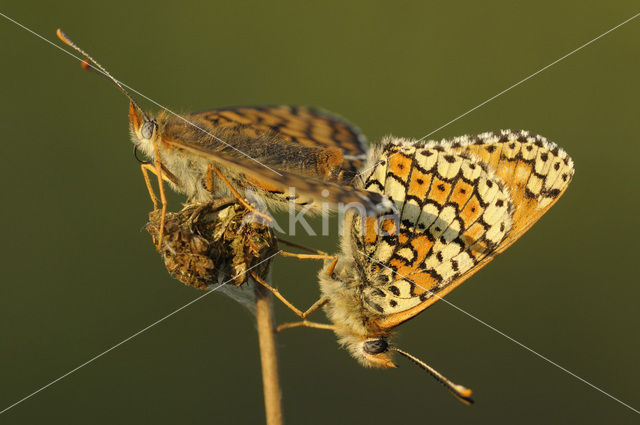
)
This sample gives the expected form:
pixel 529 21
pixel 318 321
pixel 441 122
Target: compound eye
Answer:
pixel 147 129
pixel 376 346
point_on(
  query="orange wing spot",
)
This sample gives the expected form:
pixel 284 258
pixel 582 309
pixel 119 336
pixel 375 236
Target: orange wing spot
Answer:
pixel 471 211
pixel 478 249
pixel 517 183
pixel 341 130
pixel 304 141
pixel 292 132
pixel 221 121
pixel 323 139
pixel 479 152
pixel 401 268
pixel 440 190
pixel 347 139
pixel 262 185
pixel 473 234
pixel 422 245
pixel 264 118
pixel 424 282
pixel 252 132
pixel 462 191
pixel 370 230
pixel 403 238
pixel 283 113
pixel 419 184
pixel 470 237
pixel 400 165
pixel 494 156
pixel 297 125
pixel 506 170
pixel 321 129
pixel 233 116
pixel 522 172
pixel 389 226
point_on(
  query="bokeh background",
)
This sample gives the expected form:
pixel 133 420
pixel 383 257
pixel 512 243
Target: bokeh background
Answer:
pixel 80 274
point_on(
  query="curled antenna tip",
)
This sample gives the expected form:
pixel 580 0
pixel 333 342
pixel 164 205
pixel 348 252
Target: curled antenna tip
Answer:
pixel 86 65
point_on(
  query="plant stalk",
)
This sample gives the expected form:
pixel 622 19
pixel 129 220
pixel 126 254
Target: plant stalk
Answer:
pixel 268 356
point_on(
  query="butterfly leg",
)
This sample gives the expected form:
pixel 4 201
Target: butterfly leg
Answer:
pixel 307 256
pixel 315 306
pixel 317 254
pixel 330 268
pixel 147 182
pixel 146 168
pixel 306 324
pixel 163 198
pixel 209 179
pixel 212 168
pixel 303 247
pixel 154 169
pixel 278 295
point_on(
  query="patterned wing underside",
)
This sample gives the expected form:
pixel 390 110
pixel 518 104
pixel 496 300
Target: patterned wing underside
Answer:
pixel 307 126
pixel 461 203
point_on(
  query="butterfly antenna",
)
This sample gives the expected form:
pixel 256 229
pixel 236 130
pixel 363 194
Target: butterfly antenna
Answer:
pixel 92 63
pixel 461 393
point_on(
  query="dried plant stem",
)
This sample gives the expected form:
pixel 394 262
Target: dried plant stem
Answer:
pixel 268 356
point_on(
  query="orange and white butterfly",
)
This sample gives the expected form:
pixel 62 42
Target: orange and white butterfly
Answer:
pixel 460 203
pixel 282 154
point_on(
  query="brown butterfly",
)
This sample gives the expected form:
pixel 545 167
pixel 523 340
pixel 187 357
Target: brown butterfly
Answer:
pixel 282 154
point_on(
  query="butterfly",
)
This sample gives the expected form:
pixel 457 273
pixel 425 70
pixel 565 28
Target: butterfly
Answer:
pixel 458 204
pixel 281 154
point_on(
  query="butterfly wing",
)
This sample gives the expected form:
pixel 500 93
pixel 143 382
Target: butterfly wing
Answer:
pixel 298 124
pixel 462 202
pixel 268 172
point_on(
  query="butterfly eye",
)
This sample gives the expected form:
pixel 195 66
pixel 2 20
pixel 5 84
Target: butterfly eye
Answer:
pixel 375 346
pixel 147 129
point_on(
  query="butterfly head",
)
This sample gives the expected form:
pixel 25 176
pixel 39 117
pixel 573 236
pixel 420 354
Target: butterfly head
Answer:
pixel 370 352
pixel 144 129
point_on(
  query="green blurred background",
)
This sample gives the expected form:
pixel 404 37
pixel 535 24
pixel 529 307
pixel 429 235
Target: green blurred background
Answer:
pixel 80 274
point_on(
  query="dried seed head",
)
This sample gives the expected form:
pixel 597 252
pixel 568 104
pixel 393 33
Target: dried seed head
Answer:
pixel 207 243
